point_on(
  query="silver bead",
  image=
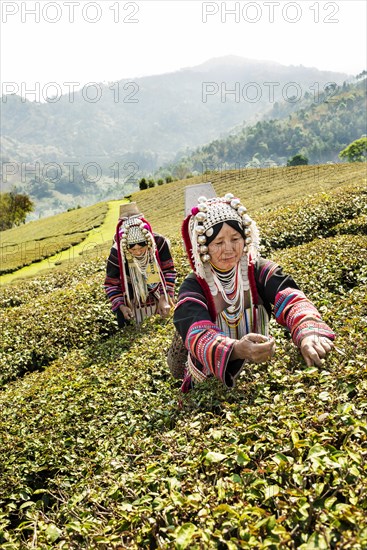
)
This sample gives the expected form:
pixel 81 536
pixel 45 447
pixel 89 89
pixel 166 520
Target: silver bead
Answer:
pixel 248 240
pixel 235 203
pixel 242 210
pixel 228 197
pixel 205 258
pixel 201 216
pixel 200 229
pixel 203 249
pixel 247 232
pixel 202 199
pixel 202 207
pixel 201 239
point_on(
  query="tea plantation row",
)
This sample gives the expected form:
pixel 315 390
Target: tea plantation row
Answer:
pixel 101 450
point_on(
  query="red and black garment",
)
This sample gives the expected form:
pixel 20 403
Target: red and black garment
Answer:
pixel 210 348
pixel 115 286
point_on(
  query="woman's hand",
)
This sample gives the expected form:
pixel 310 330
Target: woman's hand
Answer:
pixel 163 307
pixel 126 312
pixel 253 347
pixel 314 349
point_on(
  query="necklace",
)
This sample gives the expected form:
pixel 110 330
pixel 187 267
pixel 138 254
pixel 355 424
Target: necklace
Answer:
pixel 141 262
pixel 229 284
pixel 138 276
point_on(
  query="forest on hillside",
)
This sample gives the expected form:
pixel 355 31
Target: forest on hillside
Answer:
pixel 319 131
pixel 52 152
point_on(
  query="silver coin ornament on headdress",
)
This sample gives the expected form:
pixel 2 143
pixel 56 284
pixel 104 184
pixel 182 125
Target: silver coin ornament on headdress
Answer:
pixel 210 212
pixel 135 230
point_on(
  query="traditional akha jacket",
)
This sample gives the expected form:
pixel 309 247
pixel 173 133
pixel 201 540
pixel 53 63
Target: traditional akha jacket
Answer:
pixel 116 287
pixel 197 314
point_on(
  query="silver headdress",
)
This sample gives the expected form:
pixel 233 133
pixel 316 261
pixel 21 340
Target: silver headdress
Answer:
pixel 205 216
pixel 135 230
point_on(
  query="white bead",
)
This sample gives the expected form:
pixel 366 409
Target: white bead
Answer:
pixel 235 203
pixel 201 216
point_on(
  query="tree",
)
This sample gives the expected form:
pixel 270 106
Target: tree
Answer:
pixel 297 160
pixel 355 151
pixel 143 184
pixel 181 170
pixel 361 75
pixel 14 208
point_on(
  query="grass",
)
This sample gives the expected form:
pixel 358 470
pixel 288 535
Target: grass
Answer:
pixel 258 188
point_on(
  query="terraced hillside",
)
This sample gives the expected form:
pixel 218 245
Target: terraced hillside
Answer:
pixel 164 207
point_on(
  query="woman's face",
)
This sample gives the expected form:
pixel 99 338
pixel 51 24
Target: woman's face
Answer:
pixel 138 249
pixel 226 249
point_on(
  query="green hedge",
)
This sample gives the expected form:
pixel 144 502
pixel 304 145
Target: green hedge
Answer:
pixel 50 325
pixel 101 450
pixel 311 218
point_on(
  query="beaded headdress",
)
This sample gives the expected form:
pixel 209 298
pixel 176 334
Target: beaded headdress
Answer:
pixel 144 270
pixel 133 230
pixel 198 225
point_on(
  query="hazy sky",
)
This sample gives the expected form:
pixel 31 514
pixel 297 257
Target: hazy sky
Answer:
pixel 107 40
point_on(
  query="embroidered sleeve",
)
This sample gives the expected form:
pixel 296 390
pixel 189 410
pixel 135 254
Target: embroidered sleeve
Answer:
pixel 294 311
pixel 112 283
pixel 209 348
pixel 270 280
pixel 167 265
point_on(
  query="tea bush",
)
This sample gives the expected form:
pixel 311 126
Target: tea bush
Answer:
pixel 100 449
pixel 316 217
pixel 43 238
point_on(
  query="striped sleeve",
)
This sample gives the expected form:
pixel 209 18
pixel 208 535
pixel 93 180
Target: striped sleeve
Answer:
pixel 270 280
pixel 209 348
pixel 112 283
pixel 295 312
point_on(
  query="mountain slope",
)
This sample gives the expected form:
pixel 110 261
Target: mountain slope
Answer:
pixel 149 119
pixel 318 129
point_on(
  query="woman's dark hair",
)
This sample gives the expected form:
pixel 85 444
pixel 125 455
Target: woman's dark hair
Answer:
pixel 218 226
